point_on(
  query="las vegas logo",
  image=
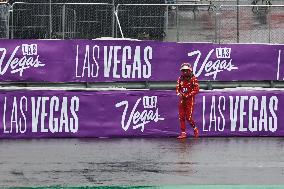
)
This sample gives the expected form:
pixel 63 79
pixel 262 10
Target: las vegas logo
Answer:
pixel 212 67
pixel 138 119
pixel 15 64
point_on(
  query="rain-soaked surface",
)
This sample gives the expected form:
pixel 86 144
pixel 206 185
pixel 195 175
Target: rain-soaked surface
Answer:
pixel 144 161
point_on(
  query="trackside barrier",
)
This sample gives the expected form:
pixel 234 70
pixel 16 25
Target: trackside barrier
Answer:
pixel 80 114
pixel 127 60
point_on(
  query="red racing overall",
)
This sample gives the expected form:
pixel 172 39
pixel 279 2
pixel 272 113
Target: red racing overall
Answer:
pixel 187 87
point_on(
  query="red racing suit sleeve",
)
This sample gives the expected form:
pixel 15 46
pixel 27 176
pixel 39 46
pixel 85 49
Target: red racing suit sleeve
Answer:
pixel 178 87
pixel 195 90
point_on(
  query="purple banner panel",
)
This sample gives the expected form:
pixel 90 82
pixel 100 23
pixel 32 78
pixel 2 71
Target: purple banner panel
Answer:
pixel 125 60
pixel 53 114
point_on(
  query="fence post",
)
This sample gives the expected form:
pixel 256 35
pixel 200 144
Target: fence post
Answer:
pixel 177 24
pixel 116 25
pixel 219 11
pixel 8 22
pixel 238 29
pixel 12 22
pixel 50 19
pixel 63 20
pixel 75 22
pixel 216 26
pixel 113 19
pixel 118 22
pixel 269 25
pixel 167 19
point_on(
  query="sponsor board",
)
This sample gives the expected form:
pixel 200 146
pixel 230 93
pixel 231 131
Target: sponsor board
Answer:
pixel 51 114
pixel 100 61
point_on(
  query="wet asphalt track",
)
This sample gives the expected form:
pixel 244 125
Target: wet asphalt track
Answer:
pixel 148 161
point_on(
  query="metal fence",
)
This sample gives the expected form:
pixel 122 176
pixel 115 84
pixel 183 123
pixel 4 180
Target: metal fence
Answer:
pixel 61 20
pixel 167 22
pixel 186 22
pixel 251 24
pixel 4 20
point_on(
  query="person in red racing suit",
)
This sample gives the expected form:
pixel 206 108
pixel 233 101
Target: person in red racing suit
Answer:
pixel 187 87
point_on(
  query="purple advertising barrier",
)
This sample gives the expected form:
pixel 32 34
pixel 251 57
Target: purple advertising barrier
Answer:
pixel 55 114
pixel 126 60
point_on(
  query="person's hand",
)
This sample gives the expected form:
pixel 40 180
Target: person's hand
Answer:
pixel 187 95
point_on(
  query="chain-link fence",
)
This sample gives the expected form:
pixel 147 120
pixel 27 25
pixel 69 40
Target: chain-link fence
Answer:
pixel 61 20
pixel 4 20
pixel 167 22
pixel 31 21
pixel 251 24
pixel 88 20
pixel 212 21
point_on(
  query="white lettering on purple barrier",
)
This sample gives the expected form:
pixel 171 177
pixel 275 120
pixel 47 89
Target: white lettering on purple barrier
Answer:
pixel 48 115
pixel 278 65
pixel 118 62
pixel 136 118
pixel 29 59
pixel 212 67
pixel 246 114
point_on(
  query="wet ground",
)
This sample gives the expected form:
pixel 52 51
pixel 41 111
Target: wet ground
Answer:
pixel 140 162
